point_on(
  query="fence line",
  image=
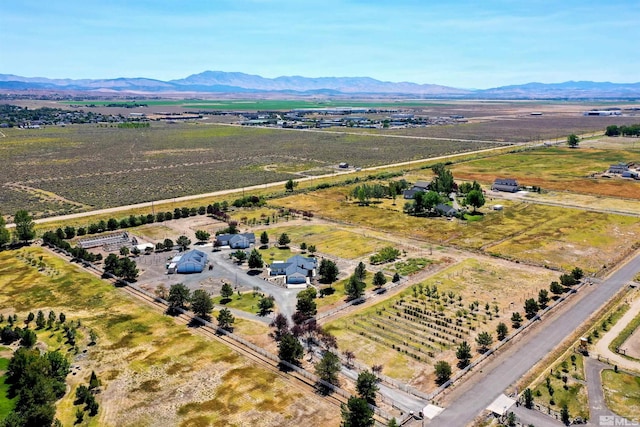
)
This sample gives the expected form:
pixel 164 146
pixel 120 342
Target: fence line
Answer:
pixel 334 389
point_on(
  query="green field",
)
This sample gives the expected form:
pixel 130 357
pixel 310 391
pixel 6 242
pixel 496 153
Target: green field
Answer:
pixel 622 393
pixel 247 301
pixel 6 404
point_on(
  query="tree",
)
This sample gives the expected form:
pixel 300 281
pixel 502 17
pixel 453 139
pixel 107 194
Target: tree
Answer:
pixel 463 353
pixel 266 305
pixel 443 372
pixel 396 278
pixel 443 182
pixel 360 271
pixel 240 256
pixel 225 319
pixel 531 308
pixel 69 232
pixel 612 130
pixel 29 338
pixel 564 415
pixel 502 331
pixel 475 198
pixel 264 239
pixel 556 288
pixel 93 381
pixel 290 185
pixel 168 244
pixel 284 240
pixel 306 304
pixel 567 280
pixel 127 269
pixel 255 259
pixel 528 398
pixel 112 224
pixel 201 303
pixel 183 242
pixel 356 413
pixel 484 340
pixel 40 320
pixel 379 279
pixel 573 140
pixel 312 249
pixel 25 227
pixel 124 251
pixel 354 288
pixel 392 423
pixel 226 292
pixel 367 386
pixel 577 273
pixel 178 297
pixel 202 235
pixel 5 236
pixel 328 270
pixel 543 298
pixel 328 367
pixel 289 349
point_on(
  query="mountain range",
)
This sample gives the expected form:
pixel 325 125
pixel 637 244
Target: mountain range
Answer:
pixel 241 83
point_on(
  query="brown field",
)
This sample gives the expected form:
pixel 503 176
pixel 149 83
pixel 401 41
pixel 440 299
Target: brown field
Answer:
pixel 154 372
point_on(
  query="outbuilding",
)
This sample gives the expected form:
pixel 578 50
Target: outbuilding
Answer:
pixel 191 262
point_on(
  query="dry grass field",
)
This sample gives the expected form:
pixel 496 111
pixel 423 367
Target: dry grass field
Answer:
pixel 544 235
pixel 103 166
pixel 154 371
pixel 410 331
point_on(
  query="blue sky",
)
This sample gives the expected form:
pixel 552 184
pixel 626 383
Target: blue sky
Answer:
pixel 466 43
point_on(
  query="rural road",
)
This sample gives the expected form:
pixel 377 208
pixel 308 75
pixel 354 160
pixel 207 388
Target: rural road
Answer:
pixel 510 366
pixel 602 346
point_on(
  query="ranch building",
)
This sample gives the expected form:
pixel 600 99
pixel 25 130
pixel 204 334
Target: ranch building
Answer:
pixel 505 184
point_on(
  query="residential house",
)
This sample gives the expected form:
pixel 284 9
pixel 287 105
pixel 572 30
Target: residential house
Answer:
pixel 619 168
pixel 297 269
pixel 236 241
pixel 446 210
pixel 418 186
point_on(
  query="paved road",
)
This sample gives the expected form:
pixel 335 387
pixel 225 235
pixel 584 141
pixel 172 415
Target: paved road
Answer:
pixel 531 416
pixel 537 345
pixel 597 405
pixel 602 346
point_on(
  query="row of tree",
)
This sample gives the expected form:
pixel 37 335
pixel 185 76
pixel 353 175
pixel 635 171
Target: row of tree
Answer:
pixel 631 130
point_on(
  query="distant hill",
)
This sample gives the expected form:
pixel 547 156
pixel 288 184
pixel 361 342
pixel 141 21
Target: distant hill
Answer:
pixel 241 83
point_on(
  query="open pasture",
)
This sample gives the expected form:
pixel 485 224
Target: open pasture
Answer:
pixel 559 169
pixel 153 371
pixel 544 235
pixel 516 128
pixel 107 166
pixel 426 323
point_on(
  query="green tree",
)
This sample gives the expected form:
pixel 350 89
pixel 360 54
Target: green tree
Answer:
pixel 306 304
pixel 284 240
pixel 612 130
pixel 201 303
pixel 124 251
pixel 225 319
pixel 577 273
pixel 312 249
pixel 567 280
pixel 392 423
pixel 328 270
pixel 93 381
pixel 112 224
pixel 556 288
pixel 475 198
pixel 265 305
pixel 463 353
pixel 202 235
pixel 178 297
pixel 328 367
pixel 531 308
pixel 360 271
pixel 255 259
pixel 516 320
pixel 379 279
pixel 69 232
pixel 528 398
pixel 354 288
pixel 502 330
pixel 396 278
pixel 25 227
pixel 226 292
pixel 264 239
pixel 564 415
pixel 357 413
pixel 289 348
pixel 29 338
pixel 127 269
pixel 5 236
pixel 443 181
pixel 40 320
pixel 290 185
pixel 240 256
pixel 543 298
pixel 367 386
pixel 168 244
pixel 484 340
pixel 443 372
pixel 183 242
pixel 573 140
